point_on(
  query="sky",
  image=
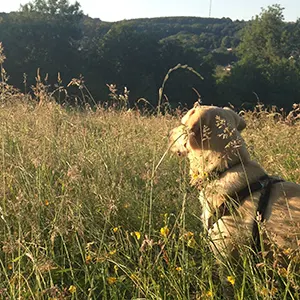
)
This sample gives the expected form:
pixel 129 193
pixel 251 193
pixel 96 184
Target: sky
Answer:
pixel 116 10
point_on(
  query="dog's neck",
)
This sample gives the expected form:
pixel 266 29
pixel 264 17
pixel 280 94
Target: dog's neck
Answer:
pixel 207 163
pixel 214 192
pixel 235 177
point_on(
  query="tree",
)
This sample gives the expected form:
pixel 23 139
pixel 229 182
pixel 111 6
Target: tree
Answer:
pixel 263 40
pixel 53 7
pixel 129 58
pixel 266 70
pixel 43 34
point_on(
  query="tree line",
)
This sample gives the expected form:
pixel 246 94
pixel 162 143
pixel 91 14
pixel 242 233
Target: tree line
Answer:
pixel 241 62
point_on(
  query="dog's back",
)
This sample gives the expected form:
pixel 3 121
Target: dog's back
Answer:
pixel 283 215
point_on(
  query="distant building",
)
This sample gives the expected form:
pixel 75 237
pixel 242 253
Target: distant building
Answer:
pixel 228 68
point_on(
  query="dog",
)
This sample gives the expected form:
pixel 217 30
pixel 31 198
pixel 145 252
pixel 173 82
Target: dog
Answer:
pixel 241 203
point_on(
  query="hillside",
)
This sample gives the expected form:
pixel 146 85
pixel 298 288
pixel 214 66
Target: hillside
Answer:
pixel 206 33
pixel 237 66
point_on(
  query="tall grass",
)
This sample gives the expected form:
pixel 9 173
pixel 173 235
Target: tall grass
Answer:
pixel 90 210
pixel 86 213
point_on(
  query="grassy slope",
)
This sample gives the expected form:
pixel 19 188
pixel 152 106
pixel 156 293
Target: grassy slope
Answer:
pixel 85 213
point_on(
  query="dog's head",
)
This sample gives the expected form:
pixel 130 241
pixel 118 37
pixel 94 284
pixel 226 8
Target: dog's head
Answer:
pixel 210 137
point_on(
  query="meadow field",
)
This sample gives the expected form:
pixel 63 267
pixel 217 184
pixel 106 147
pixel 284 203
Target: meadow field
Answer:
pixel 93 206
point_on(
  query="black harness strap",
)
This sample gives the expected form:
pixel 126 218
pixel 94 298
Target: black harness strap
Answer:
pixel 264 184
pixel 225 208
pixel 261 211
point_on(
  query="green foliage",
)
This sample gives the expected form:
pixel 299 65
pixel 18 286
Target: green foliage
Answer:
pixel 240 62
pixel 135 54
pixel 266 69
pixel 45 35
pixel 52 7
pixel 263 40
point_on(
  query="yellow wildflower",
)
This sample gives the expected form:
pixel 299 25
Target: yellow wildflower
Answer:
pixel 231 279
pixel 112 252
pixel 191 242
pixel 164 231
pixel 274 290
pixel 137 234
pixel 264 291
pixel 283 272
pixel 179 269
pixel 72 289
pixel 188 235
pixel 88 259
pixel 111 280
pixel 195 176
pixel 46 202
pixel 209 294
pixel 287 251
pixel 115 229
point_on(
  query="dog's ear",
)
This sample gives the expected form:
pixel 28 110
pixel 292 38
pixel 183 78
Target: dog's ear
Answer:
pixel 191 119
pixel 240 123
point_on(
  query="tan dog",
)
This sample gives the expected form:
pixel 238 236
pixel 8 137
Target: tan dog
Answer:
pixel 236 194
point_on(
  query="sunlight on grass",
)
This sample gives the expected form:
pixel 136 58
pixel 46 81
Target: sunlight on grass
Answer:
pixel 86 215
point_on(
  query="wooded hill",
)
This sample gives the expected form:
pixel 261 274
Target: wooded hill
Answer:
pixel 241 62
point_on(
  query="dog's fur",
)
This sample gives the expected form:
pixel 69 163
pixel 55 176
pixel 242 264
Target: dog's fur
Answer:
pixel 220 166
